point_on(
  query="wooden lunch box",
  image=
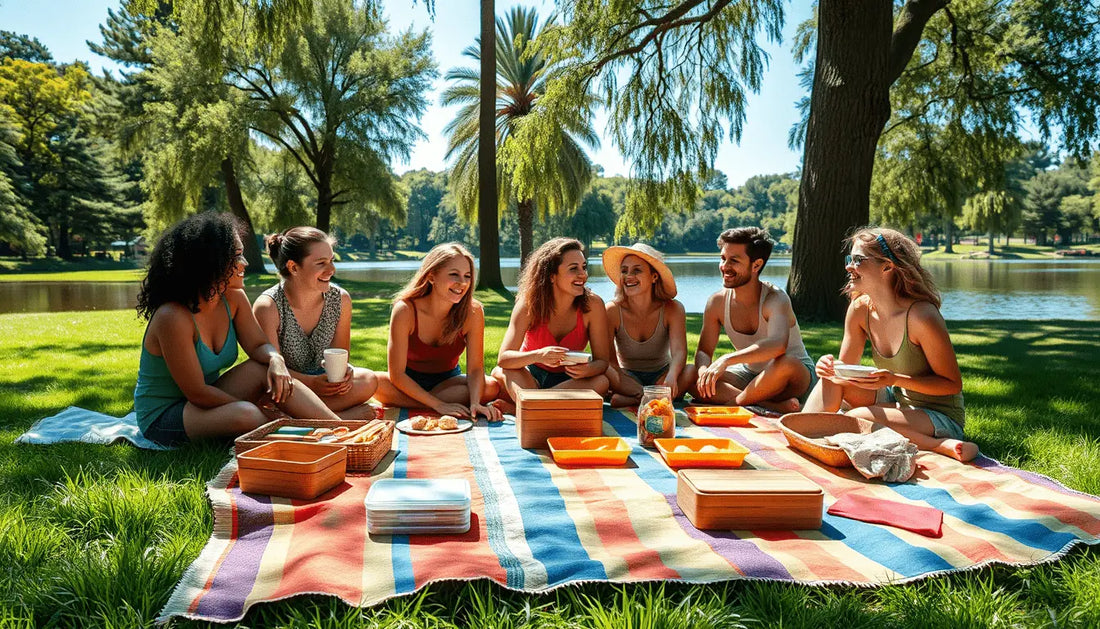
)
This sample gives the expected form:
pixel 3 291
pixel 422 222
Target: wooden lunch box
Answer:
pixel 292 469
pixel 749 499
pixel 544 413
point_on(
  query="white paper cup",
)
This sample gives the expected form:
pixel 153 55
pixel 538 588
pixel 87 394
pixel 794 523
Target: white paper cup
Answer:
pixel 335 363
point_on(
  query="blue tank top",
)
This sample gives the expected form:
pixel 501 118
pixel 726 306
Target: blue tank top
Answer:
pixel 156 390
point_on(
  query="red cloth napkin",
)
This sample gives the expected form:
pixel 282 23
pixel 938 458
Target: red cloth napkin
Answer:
pixel 927 521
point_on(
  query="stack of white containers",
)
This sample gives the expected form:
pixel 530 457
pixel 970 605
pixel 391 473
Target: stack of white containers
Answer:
pixel 412 506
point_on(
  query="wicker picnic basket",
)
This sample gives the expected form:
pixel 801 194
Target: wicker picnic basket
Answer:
pixel 362 457
pixel 804 431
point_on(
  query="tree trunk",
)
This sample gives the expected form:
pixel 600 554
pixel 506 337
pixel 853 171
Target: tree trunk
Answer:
pixel 526 215
pixel 325 165
pixel 64 251
pixel 991 242
pixel 237 208
pixel 487 220
pixel 849 106
pixel 948 235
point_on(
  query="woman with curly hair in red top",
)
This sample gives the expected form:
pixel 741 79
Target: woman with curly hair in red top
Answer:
pixel 555 313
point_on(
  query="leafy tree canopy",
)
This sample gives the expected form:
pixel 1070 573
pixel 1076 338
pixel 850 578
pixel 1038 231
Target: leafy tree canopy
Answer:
pixel 18 46
pixel 675 77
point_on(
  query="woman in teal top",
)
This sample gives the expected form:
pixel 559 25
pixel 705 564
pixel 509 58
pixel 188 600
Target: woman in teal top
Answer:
pixel 198 313
pixel 917 387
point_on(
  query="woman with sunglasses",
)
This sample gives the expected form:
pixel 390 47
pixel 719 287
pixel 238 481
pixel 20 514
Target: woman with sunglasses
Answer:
pixel 917 388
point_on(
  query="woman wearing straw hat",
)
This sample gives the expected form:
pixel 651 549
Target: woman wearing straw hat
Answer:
pixel 644 308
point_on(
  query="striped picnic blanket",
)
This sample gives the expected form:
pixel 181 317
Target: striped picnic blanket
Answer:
pixel 536 526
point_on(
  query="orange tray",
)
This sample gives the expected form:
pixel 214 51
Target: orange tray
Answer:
pixel 589 450
pixel 729 454
pixel 719 415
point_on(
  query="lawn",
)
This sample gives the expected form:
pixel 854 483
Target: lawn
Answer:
pixel 1016 249
pixel 98 536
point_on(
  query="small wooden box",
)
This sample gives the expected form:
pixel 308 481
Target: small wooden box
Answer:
pixel 292 469
pixel 545 413
pixel 749 499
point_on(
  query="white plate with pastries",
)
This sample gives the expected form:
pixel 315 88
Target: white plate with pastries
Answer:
pixel 432 425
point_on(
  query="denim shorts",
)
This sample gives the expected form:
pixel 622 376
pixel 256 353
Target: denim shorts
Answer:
pixel 943 427
pixel 167 428
pixel 647 378
pixel 743 376
pixel 547 379
pixel 429 381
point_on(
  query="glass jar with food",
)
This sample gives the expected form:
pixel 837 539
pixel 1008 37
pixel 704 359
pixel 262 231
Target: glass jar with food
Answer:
pixel 656 418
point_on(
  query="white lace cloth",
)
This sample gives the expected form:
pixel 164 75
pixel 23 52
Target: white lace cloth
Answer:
pixel 882 453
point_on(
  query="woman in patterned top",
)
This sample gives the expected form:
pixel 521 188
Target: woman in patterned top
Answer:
pixel 435 319
pixel 306 313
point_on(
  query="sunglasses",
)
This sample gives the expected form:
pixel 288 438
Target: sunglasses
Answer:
pixel 855 259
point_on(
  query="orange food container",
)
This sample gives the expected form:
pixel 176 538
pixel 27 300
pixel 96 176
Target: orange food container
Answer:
pixel 292 469
pixel 729 452
pixel 589 450
pixel 719 415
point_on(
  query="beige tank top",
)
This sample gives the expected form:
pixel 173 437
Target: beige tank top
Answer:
pixel 795 348
pixel 652 354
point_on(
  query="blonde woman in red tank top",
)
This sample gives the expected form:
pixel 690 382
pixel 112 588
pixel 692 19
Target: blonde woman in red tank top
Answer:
pixel 435 318
pixel 555 312
pixel 895 307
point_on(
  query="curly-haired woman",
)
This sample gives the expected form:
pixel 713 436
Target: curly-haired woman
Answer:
pixel 193 298
pixel 555 313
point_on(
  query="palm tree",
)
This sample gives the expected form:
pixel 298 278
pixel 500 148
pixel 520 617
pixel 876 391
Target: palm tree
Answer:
pixel 522 79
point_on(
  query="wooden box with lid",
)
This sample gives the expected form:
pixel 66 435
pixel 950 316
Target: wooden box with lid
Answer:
pixel 544 413
pixel 715 499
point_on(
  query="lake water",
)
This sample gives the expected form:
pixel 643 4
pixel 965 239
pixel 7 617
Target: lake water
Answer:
pixel 972 289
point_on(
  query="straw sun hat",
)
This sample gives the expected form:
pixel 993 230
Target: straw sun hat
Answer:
pixel 613 259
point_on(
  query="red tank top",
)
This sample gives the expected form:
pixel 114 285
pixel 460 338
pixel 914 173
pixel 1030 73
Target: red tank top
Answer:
pixel 539 336
pixel 432 358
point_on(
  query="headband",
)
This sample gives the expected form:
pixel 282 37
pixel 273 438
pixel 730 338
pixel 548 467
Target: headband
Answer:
pixel 886 248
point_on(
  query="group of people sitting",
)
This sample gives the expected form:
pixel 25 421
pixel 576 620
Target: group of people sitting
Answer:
pixel 192 296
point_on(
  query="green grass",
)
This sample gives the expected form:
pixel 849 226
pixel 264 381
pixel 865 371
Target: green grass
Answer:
pixel 1015 250
pixel 98 536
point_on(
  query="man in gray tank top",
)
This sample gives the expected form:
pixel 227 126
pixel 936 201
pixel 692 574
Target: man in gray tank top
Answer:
pixel 769 366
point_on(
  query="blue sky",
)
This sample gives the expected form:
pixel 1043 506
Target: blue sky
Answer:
pixel 65 26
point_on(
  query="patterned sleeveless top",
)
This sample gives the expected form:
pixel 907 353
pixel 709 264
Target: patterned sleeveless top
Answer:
pixel 303 352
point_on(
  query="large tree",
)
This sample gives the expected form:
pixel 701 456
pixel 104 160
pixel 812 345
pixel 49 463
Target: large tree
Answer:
pixel 342 97
pixel 173 117
pixel 690 63
pixel 541 165
pixel 61 174
pixel 18 226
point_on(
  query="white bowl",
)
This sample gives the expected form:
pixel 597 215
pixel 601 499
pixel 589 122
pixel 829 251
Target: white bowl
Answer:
pixel 576 358
pixel 853 371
